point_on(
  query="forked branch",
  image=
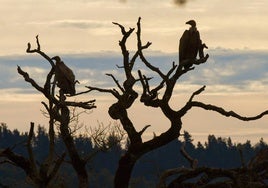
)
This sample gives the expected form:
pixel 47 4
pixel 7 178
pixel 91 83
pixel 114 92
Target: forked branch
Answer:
pixel 117 82
pixel 141 47
pixel 38 50
pixel 197 93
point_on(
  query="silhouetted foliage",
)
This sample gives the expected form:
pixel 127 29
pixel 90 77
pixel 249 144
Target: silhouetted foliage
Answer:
pixel 216 153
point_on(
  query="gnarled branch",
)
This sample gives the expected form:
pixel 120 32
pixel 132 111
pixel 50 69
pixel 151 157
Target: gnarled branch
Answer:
pixel 141 47
pixel 30 80
pixel 223 112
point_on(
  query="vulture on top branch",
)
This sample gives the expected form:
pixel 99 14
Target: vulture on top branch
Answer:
pixel 190 45
pixel 65 78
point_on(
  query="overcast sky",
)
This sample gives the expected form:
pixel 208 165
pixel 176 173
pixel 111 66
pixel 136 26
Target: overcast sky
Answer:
pixel 86 25
pixel 82 32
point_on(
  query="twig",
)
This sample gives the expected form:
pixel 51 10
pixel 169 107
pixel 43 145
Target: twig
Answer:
pixel 144 60
pixel 117 82
pixel 38 50
pixel 86 105
pixel 144 129
pixel 29 148
pixel 191 160
pixel 197 93
pixel 6 161
pixel 112 91
pixel 122 28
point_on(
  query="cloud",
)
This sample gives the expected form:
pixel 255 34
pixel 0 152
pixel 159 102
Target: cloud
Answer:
pixel 235 79
pixel 19 94
pixel 227 71
pixel 82 24
pixel 75 23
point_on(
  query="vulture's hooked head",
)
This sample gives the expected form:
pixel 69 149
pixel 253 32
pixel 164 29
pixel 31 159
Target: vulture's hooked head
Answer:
pixel 56 58
pixel 192 23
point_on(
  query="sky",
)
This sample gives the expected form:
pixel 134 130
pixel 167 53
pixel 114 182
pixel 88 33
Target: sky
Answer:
pixel 82 33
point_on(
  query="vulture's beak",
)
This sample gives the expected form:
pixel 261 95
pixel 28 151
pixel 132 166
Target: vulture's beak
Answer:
pixel 191 22
pixel 56 58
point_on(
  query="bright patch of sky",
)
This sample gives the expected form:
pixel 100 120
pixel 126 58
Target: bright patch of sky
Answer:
pixel 86 25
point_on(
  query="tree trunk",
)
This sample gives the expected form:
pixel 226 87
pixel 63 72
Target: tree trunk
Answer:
pixel 124 170
pixel 78 163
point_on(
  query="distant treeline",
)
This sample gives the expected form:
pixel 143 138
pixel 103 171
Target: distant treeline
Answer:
pixel 216 152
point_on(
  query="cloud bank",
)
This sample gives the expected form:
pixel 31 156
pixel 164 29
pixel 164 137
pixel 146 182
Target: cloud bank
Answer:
pixel 227 71
pixel 235 80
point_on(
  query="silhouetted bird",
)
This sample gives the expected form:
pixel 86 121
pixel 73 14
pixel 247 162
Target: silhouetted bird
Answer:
pixel 189 46
pixel 65 77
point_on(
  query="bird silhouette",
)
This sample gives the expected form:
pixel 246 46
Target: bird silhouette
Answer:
pixel 65 77
pixel 190 45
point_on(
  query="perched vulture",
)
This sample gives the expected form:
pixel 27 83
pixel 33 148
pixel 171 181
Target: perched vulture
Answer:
pixel 65 78
pixel 190 44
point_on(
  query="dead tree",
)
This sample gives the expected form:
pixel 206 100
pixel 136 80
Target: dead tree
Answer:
pixel 58 110
pixel 38 175
pixel 252 175
pixel 126 95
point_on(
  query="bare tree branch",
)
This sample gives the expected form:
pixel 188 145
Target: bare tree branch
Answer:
pixel 168 173
pixel 18 160
pixel 112 91
pixel 144 129
pixel 227 113
pixel 127 65
pixel 38 50
pixel 56 167
pixel 30 80
pixel 193 162
pixel 6 161
pixel 117 82
pixel 197 93
pixel 87 105
pixel 58 110
pixel 122 28
pixel 140 48
pixel 106 137
pixel 29 149
pixel 149 97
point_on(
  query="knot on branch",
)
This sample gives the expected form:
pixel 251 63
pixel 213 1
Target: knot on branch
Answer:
pixel 116 111
pixel 128 84
pixel 150 99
